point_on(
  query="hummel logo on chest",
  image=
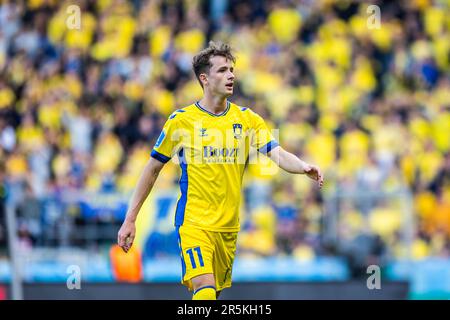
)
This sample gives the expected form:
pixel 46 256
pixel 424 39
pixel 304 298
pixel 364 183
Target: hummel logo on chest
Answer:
pixel 203 132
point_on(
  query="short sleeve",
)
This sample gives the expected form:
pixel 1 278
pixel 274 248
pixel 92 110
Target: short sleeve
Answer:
pixel 261 138
pixel 167 141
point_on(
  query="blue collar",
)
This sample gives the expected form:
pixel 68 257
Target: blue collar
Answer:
pixel 197 104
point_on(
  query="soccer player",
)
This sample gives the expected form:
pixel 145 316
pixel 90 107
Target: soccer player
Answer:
pixel 211 138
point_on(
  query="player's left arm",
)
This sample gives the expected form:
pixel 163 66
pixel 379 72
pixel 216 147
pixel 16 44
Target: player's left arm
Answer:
pixel 292 164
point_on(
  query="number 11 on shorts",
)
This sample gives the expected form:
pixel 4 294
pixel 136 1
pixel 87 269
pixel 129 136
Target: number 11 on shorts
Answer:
pixel 191 256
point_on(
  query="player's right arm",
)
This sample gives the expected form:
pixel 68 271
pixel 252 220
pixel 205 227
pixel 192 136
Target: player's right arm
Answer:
pixel 162 152
pixel 145 184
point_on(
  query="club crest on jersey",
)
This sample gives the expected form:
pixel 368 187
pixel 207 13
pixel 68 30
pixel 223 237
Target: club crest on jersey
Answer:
pixel 237 130
pixel 203 132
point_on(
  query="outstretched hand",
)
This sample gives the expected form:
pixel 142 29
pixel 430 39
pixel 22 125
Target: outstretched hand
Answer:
pixel 314 173
pixel 126 235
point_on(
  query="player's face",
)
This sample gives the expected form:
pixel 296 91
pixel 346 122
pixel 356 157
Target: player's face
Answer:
pixel 220 80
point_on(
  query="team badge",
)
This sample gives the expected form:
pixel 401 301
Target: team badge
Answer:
pixel 237 130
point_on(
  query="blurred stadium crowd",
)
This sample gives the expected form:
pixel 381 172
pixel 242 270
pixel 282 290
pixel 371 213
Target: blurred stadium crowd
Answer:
pixel 81 110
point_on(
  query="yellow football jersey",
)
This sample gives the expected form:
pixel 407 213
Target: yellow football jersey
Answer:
pixel 212 151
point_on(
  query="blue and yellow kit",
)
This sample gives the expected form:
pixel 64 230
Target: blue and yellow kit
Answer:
pixel 212 150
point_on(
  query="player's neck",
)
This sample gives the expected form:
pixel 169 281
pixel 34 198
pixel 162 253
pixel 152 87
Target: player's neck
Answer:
pixel 215 105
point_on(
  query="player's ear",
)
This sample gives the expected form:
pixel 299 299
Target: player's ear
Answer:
pixel 203 78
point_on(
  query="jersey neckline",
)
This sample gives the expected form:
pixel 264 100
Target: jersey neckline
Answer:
pixel 197 104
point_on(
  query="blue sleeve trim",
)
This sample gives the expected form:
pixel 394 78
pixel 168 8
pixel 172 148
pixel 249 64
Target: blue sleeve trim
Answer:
pixel 268 147
pixel 174 114
pixel 159 156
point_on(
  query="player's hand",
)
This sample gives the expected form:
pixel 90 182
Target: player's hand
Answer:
pixel 314 173
pixel 126 235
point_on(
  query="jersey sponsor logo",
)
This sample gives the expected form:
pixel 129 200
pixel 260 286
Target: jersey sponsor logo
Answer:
pixel 209 151
pixel 212 154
